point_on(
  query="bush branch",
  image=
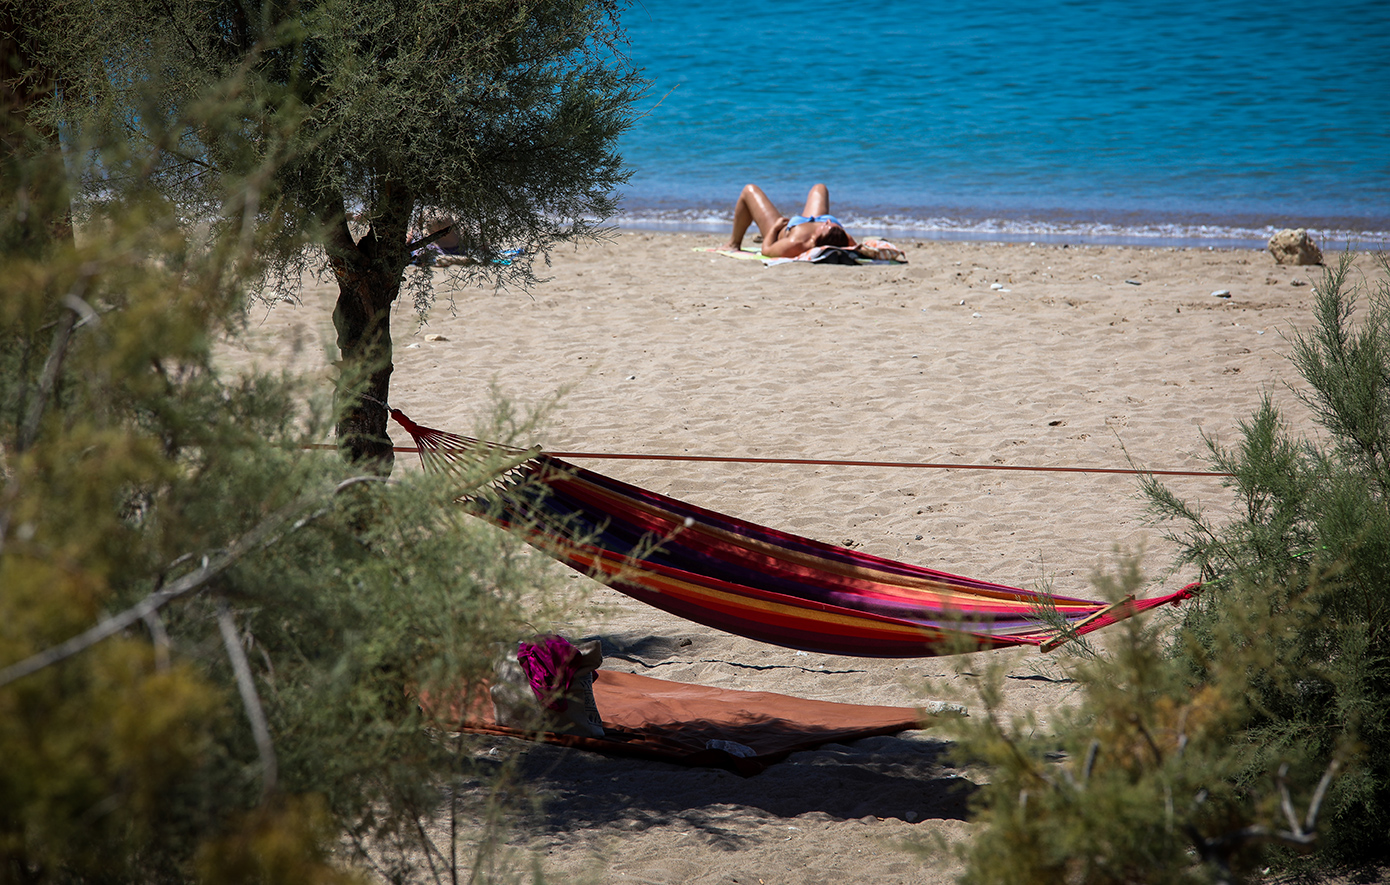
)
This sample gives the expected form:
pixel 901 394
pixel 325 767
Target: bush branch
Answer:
pixel 76 307
pixel 246 685
pixel 263 535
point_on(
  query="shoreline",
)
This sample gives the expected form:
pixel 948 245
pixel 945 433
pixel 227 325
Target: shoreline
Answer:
pixel 1157 230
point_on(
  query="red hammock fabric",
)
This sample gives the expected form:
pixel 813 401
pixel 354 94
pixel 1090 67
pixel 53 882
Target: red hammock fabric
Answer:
pixel 748 579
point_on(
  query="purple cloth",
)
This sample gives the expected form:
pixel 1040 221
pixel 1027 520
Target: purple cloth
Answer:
pixel 549 664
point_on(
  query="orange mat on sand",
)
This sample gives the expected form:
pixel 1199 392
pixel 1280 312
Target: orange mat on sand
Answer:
pixel 676 721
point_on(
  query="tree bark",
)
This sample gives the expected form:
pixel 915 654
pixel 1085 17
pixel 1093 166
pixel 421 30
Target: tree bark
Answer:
pixel 369 279
pixel 31 168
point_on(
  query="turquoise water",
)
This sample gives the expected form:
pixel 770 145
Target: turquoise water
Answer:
pixel 1183 122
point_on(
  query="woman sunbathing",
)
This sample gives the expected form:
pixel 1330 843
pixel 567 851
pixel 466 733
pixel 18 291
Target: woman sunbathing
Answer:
pixel 788 237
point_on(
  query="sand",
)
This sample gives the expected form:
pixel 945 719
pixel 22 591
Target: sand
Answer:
pixel 972 353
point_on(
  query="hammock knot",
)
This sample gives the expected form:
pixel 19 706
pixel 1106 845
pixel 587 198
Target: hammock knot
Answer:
pixel 1188 592
pixel 410 426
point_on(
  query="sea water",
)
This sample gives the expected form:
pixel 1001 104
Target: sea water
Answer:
pixel 1212 122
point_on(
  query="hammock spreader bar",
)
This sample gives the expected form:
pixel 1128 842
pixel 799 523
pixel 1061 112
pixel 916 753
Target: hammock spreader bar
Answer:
pixel 747 579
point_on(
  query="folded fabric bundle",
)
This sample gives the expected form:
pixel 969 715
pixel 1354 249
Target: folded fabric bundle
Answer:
pixel 547 684
pixel 880 250
pixel 740 731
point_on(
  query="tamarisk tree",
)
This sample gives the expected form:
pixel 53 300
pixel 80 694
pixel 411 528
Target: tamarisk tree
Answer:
pixel 210 635
pixel 499 116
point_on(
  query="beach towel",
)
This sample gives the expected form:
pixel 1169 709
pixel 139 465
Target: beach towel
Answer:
pixel 731 253
pixel 435 255
pixel 739 731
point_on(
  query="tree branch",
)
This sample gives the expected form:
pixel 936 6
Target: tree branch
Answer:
pixel 425 241
pixel 29 431
pixel 1218 849
pixel 160 637
pixel 263 535
pixel 152 603
pixel 1311 821
pixel 246 685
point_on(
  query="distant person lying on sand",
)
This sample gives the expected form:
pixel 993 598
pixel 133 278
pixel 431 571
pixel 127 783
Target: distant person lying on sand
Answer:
pixel 788 237
pixel 445 251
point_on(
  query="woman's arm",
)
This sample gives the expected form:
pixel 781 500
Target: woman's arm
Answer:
pixel 784 247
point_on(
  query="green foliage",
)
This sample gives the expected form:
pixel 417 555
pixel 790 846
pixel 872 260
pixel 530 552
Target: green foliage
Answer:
pixel 1259 728
pixel 1141 780
pixel 1311 543
pixel 503 115
pixel 156 507
pixel 361 120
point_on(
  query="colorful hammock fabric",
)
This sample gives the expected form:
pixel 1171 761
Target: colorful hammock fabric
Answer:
pixel 748 579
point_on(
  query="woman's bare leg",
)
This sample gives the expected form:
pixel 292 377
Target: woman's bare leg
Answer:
pixel 817 201
pixel 753 206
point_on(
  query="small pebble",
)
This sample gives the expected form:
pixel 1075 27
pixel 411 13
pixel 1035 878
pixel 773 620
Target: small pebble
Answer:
pixel 996 285
pixel 975 315
pixel 1222 293
pixel 435 338
pixel 1134 282
pixel 1298 282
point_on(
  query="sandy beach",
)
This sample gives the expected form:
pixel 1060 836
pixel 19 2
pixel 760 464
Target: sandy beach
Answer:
pixel 972 353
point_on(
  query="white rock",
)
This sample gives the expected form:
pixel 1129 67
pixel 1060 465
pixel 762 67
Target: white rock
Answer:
pixel 1294 247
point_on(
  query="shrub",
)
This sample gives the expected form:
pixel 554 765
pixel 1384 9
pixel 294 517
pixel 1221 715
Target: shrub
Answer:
pixel 256 613
pixel 1311 545
pixel 1262 722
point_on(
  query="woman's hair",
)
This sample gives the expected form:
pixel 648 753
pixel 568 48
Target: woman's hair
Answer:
pixel 835 236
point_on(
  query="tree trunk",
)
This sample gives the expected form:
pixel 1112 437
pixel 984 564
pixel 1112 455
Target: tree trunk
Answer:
pixel 369 279
pixel 31 168
pixel 362 317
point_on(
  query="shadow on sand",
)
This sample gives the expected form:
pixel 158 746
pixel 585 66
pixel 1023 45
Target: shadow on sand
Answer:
pixel 906 778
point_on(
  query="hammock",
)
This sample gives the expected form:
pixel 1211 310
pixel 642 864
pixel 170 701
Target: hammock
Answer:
pixel 748 579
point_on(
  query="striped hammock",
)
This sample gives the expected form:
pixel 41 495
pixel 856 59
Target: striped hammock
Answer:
pixel 747 579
